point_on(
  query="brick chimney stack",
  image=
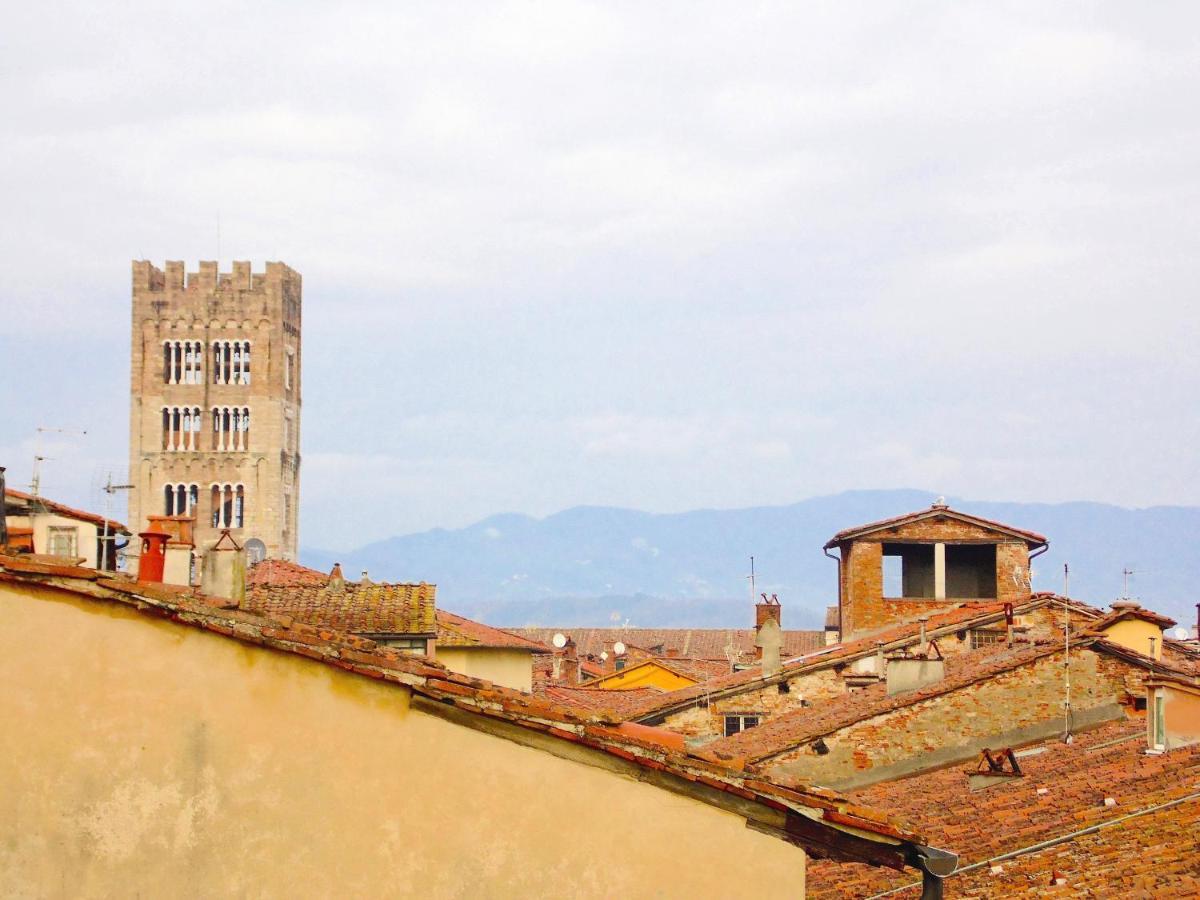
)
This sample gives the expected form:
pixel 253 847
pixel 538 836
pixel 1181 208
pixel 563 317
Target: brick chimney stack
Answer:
pixel 570 662
pixel 767 610
pixel 768 634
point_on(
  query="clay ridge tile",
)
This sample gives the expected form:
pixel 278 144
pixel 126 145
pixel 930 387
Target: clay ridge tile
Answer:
pixel 424 677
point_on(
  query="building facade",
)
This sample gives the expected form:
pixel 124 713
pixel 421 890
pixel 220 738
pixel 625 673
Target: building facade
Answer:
pixel 215 382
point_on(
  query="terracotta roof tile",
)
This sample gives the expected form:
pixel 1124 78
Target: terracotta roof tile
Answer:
pixel 1062 791
pixel 1030 537
pixel 457 631
pixel 355 607
pixel 281 571
pixel 804 807
pixel 62 509
pixel 698 643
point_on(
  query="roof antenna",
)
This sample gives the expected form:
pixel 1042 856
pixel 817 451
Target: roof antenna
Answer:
pixel 1126 572
pixel 751 577
pixel 35 480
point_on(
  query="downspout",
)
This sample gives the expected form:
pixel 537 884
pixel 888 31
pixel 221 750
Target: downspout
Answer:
pixel 935 865
pixel 3 511
pixel 841 634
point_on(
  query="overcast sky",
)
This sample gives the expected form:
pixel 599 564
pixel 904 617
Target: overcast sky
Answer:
pixel 655 255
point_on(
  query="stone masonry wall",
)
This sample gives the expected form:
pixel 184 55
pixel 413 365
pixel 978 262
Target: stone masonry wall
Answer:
pixel 210 306
pixel 1005 702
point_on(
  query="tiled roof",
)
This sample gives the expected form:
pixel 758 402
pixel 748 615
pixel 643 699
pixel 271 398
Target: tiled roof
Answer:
pixel 1123 610
pixel 281 571
pixel 401 609
pixel 456 631
pixel 781 733
pixel 1030 537
pixel 964 616
pixel 1063 790
pixel 700 643
pixel 819 820
pixel 61 509
pixel 615 703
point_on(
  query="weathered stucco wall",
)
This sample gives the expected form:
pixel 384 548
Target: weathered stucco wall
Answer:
pixel 86 534
pixel 143 758
pixel 511 668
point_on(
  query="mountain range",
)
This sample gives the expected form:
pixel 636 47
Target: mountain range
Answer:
pixel 598 566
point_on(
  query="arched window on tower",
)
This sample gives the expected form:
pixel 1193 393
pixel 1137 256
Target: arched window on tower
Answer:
pixel 168 500
pixel 239 507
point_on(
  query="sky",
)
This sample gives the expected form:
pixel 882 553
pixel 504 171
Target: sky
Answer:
pixel 664 256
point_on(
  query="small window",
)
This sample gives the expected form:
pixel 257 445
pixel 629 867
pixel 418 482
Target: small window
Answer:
pixel 1139 704
pixel 410 646
pixel 739 722
pixel 62 541
pixel 987 637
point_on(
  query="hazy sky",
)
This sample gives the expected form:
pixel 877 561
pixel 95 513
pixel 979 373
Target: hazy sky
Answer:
pixel 656 255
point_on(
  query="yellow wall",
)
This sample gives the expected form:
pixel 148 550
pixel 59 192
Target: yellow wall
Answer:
pixel 85 536
pixel 511 668
pixel 643 675
pixel 1135 634
pixel 139 757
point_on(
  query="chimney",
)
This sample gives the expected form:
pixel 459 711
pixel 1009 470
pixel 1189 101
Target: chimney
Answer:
pixel 4 517
pixel 223 572
pixel 924 640
pixel 177 556
pixel 336 581
pixel 767 611
pixel 366 580
pixel 150 564
pixel 570 662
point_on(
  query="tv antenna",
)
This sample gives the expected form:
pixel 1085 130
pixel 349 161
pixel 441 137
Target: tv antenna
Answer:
pixel 1126 572
pixel 1067 736
pixel 753 592
pixel 109 490
pixel 35 480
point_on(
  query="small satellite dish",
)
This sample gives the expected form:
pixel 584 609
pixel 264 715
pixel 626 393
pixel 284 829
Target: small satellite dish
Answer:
pixel 619 648
pixel 1179 633
pixel 603 655
pixel 559 640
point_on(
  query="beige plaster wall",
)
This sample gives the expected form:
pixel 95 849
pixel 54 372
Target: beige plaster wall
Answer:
pixel 86 534
pixel 511 668
pixel 1136 634
pixel 143 758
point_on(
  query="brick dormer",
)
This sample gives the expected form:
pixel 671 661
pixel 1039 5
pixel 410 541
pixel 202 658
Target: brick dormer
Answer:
pixel 897 569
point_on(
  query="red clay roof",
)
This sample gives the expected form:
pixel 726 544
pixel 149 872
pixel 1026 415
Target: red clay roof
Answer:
pixel 281 571
pixel 61 509
pixel 379 609
pixel 1128 610
pixel 781 733
pixel 1062 791
pixel 696 643
pixel 617 704
pixel 752 678
pixel 804 808
pixel 1030 537
pixel 457 631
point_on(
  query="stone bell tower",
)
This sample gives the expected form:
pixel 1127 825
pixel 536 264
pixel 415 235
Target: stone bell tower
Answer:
pixel 215 402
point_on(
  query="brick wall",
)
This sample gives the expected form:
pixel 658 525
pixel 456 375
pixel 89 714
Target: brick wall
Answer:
pixel 865 609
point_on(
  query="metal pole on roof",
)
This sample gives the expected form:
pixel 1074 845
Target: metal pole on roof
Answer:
pixel 1067 738
pixel 109 490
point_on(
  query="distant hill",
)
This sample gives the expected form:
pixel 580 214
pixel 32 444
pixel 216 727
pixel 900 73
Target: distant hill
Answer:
pixel 597 565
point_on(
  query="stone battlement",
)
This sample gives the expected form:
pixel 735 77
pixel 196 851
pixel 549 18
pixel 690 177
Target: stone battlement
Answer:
pixel 148 278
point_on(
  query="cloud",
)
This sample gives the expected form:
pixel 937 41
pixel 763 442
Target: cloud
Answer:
pixel 665 256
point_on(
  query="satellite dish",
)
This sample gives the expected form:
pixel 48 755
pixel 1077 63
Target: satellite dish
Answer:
pixel 559 640
pixel 603 655
pixel 1179 633
pixel 619 648
pixel 256 551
